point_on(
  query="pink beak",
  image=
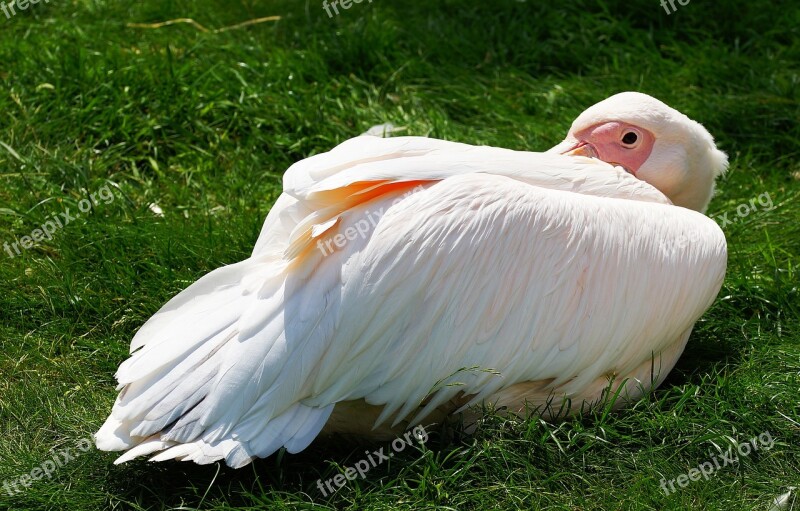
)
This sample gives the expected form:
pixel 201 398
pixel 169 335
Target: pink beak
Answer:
pixel 582 148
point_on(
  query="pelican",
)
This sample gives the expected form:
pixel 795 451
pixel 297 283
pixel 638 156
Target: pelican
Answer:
pixel 399 280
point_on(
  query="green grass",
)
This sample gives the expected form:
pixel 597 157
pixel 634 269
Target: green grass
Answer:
pixel 203 124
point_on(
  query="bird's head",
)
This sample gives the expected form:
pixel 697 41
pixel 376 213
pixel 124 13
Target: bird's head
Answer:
pixel 652 141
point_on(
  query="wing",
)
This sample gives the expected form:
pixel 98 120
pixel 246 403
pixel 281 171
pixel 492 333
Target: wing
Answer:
pixel 321 187
pixel 385 271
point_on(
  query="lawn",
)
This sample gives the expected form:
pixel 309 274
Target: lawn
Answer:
pixel 151 154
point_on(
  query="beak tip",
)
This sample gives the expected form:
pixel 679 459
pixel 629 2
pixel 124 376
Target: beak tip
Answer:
pixel 582 148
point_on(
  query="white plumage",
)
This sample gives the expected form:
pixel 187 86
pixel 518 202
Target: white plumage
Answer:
pixel 558 274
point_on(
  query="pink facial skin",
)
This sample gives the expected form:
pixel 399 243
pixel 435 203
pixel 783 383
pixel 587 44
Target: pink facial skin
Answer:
pixel 617 143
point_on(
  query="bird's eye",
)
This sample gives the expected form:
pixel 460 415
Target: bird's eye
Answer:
pixel 630 138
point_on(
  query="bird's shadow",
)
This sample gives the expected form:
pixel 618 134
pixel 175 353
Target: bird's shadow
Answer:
pixel 174 483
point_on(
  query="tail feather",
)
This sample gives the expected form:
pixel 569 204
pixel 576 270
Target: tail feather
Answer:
pixel 171 412
pixel 209 284
pixel 237 452
pixel 148 446
pixel 206 318
pixel 182 396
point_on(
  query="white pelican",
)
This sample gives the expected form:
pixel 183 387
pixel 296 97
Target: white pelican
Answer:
pixel 408 278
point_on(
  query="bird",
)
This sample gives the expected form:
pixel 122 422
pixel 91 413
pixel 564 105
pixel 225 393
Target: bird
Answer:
pixel 408 279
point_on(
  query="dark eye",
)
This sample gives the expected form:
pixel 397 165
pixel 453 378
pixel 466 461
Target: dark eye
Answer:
pixel 630 138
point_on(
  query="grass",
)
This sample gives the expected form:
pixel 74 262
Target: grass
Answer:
pixel 203 124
